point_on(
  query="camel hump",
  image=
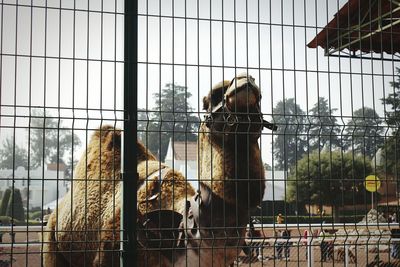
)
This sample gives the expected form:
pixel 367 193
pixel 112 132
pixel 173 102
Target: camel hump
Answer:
pixel 143 153
pixel 110 139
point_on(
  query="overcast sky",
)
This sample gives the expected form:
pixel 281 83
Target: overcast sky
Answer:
pixel 195 49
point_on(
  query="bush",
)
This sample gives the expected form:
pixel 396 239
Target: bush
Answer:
pixel 15 208
pixel 36 215
pixel 35 209
pixel 4 202
pixel 6 220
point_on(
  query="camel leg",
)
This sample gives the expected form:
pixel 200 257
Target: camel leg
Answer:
pixel 50 256
pixel 108 254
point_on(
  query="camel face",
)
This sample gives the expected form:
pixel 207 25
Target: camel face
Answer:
pixel 234 109
pixel 243 95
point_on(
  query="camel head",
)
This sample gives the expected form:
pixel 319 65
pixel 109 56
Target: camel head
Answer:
pixel 233 123
pixel 233 109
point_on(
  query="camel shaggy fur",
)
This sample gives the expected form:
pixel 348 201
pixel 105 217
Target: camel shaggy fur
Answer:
pixel 84 229
pixel 90 212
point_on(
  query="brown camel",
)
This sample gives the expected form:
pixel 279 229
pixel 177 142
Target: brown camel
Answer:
pixel 85 228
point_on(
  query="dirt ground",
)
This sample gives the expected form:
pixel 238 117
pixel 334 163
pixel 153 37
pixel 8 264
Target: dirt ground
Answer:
pixel 29 255
pixel 298 258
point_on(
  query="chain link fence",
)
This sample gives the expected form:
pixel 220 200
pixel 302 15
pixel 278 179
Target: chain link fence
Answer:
pixel 199 133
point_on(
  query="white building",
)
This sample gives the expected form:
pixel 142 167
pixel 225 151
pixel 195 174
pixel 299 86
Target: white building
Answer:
pixel 275 185
pixel 38 186
pixel 182 156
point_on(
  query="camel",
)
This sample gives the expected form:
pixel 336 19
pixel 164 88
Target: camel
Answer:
pixel 200 228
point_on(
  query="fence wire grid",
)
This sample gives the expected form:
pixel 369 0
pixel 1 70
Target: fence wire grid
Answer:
pixel 199 133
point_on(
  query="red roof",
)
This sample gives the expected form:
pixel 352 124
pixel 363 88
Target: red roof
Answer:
pixel 183 149
pixel 363 25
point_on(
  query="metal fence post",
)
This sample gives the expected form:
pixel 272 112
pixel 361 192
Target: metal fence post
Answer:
pixel 129 162
pixel 310 251
pixel 346 255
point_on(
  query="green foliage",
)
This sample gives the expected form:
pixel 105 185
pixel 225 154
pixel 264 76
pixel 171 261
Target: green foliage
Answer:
pixel 15 208
pixel 36 214
pixel 329 178
pixel 6 221
pixel 171 119
pixel 289 144
pixel 12 155
pixel 393 101
pixel 364 132
pixel 4 202
pixel 390 162
pixel 324 129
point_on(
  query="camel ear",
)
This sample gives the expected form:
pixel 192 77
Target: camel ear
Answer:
pixel 206 103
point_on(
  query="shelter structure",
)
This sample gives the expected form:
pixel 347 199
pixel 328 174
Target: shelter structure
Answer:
pixel 360 27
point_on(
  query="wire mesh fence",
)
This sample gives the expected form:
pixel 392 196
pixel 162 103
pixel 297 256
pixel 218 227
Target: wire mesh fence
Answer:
pixel 199 133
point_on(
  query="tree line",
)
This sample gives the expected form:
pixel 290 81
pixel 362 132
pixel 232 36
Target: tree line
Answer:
pixel 312 146
pixel 48 143
pixel 300 133
pixel 328 162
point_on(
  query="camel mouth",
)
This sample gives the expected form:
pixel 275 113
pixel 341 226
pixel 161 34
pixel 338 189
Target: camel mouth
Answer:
pixel 235 107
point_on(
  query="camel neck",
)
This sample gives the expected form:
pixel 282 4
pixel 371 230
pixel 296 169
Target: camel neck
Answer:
pixel 233 171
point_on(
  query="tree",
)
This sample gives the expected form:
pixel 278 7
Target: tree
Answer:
pixel 329 178
pixel 324 128
pixel 267 167
pixel 50 143
pixel 171 119
pixel 364 132
pixel 290 143
pixel 15 208
pixel 390 153
pixel 389 161
pixel 393 100
pixel 4 202
pixel 12 156
pixel 391 149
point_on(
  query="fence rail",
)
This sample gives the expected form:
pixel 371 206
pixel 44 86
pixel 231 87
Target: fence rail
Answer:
pixel 152 132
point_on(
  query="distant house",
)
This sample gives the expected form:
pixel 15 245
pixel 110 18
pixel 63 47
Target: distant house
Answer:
pixel 275 191
pixel 37 187
pixel 182 156
pixel 275 185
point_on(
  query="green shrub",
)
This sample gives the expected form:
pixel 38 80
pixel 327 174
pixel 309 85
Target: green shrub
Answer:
pixel 15 208
pixel 35 215
pixel 4 202
pixel 35 209
pixel 6 220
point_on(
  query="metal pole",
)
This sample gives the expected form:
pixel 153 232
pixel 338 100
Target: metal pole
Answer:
pixel 310 251
pixel 346 255
pixel 372 200
pixel 129 137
